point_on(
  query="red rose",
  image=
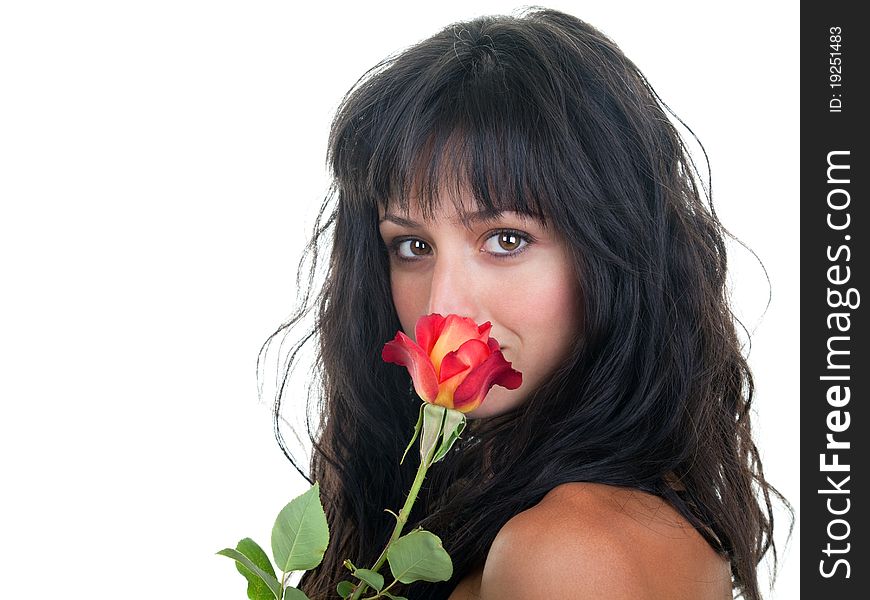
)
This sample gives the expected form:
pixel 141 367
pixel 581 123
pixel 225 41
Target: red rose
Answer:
pixel 454 362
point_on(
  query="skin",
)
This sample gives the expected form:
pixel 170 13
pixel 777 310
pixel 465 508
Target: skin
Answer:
pixel 594 541
pixel 522 281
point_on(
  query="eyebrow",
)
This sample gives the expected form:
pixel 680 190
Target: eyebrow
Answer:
pixel 478 216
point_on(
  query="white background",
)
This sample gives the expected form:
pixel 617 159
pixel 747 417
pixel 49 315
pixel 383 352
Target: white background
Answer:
pixel 160 163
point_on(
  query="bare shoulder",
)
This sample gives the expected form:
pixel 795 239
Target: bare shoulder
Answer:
pixel 586 540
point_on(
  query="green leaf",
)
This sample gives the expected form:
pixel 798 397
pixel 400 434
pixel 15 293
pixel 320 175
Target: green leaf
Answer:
pixel 433 421
pixel 344 588
pixel 269 580
pixel 416 432
pixel 300 535
pixel 292 593
pixel 454 425
pixel 419 556
pixel 257 588
pixel 376 580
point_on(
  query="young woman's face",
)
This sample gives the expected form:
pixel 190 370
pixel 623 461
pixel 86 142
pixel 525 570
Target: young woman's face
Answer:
pixel 511 271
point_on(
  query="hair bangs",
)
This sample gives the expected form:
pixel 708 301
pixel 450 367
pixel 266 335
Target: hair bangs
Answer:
pixel 469 169
pixel 467 130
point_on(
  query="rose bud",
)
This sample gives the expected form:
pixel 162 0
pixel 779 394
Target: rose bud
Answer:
pixel 454 362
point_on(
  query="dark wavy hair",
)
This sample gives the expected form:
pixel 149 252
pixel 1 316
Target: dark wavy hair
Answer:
pixel 540 114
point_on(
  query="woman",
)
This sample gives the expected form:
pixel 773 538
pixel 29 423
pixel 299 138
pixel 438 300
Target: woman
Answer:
pixel 521 171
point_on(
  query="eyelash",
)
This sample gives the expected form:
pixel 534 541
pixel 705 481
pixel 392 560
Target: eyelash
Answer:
pixel 528 239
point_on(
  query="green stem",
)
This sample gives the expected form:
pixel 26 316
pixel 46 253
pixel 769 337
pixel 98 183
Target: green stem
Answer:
pixel 403 516
pixel 381 593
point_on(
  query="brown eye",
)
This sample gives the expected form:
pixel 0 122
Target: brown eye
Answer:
pixel 506 243
pixel 509 241
pixel 408 249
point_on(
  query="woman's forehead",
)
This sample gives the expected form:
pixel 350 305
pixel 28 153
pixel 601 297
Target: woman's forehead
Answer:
pixel 462 213
pixel 468 217
pixel 448 202
pixel 438 205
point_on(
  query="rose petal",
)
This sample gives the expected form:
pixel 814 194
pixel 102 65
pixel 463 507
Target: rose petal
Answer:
pixel 403 351
pixel 427 330
pixel 469 355
pixel 455 368
pixel 456 331
pixel 494 371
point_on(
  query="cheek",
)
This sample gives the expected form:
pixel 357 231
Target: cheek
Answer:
pixel 547 316
pixel 410 300
pixel 546 295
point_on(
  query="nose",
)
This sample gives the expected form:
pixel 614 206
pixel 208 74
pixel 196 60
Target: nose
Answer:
pixel 452 289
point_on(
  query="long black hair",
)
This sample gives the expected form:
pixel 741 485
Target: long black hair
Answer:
pixel 540 114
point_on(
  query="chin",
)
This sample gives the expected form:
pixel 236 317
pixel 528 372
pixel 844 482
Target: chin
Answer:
pixel 498 402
